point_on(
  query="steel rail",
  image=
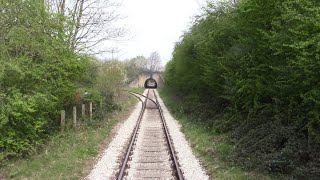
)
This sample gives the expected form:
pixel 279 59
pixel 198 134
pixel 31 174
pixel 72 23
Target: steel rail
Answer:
pixel 176 164
pixel 177 170
pixel 133 137
pixel 133 93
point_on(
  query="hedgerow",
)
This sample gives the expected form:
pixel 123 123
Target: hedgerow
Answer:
pixel 40 75
pixel 255 66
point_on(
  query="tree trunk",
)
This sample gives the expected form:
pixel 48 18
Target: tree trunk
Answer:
pixel 77 25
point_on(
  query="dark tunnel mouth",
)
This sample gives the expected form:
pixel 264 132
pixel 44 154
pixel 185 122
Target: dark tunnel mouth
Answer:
pixel 148 82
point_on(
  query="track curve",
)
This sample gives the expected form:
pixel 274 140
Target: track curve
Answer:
pixel 150 154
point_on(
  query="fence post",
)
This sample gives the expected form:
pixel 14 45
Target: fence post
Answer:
pixel 83 109
pixel 74 116
pixel 90 109
pixel 63 120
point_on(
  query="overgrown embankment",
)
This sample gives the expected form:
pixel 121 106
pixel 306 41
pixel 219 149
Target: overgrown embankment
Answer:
pixel 213 149
pixel 41 74
pixel 251 70
pixel 68 155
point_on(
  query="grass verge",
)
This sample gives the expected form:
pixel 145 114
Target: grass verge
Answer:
pixel 137 89
pixel 66 155
pixel 214 150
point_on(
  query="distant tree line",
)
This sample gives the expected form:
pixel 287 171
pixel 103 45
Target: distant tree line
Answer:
pixel 251 69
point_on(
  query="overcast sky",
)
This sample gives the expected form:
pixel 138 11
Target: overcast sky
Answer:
pixel 155 25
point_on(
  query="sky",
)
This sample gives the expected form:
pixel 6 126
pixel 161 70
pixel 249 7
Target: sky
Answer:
pixel 154 25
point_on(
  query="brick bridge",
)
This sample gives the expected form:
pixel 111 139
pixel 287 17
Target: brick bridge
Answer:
pixel 139 82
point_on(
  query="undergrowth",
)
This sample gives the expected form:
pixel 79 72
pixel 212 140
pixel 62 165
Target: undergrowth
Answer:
pixel 66 155
pixel 250 69
pixel 214 149
pixel 137 89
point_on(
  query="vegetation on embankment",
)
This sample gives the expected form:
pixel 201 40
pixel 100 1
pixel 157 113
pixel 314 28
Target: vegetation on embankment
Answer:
pixel 251 70
pixel 68 155
pixel 138 90
pixel 213 149
pixel 42 74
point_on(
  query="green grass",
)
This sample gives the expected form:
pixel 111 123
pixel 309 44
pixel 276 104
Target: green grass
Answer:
pixel 137 89
pixel 66 155
pixel 214 150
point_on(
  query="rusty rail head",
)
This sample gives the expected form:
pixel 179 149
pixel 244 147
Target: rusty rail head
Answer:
pixel 173 154
pixel 147 97
pixel 133 137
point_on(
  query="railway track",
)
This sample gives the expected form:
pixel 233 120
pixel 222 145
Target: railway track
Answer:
pixel 150 154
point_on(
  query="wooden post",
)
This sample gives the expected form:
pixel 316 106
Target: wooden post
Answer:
pixel 63 120
pixel 90 109
pixel 83 109
pixel 74 116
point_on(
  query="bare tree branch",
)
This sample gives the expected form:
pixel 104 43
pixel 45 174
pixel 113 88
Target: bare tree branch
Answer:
pixel 89 22
pixel 154 62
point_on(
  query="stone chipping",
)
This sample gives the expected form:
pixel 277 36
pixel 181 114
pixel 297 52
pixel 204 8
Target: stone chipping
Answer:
pixel 108 164
pixel 150 156
pixel 190 166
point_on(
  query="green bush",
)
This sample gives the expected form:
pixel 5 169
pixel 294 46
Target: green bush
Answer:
pixel 40 75
pixel 253 68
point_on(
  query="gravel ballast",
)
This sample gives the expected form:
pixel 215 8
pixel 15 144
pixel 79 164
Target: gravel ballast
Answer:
pixel 109 163
pixel 189 164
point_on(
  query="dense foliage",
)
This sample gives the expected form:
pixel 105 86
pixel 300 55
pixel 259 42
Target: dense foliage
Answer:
pixel 134 67
pixel 254 66
pixel 40 75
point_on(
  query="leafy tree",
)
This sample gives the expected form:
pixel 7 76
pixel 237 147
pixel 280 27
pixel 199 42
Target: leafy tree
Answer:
pixel 134 67
pixel 39 74
pixel 256 64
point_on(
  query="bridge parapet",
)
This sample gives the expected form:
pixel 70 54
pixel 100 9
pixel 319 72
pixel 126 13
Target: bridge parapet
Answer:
pixel 139 82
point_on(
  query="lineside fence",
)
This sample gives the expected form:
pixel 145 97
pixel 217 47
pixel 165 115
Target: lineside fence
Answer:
pixel 86 112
